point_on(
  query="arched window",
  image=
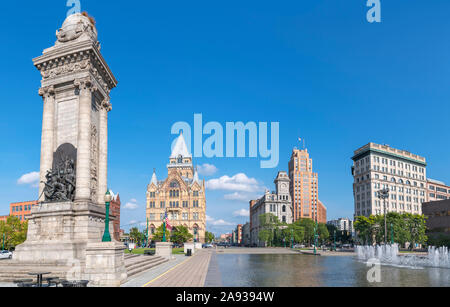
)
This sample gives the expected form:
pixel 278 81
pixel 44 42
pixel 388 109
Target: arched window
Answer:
pixel 408 182
pixel 400 181
pixel 180 159
pixel 174 184
pixel 393 179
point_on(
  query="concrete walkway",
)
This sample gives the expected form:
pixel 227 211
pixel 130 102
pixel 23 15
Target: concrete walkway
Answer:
pixel 189 273
pixel 143 278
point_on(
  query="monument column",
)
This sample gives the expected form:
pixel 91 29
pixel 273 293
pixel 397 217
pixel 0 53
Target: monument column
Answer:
pixel 103 152
pixel 47 140
pixel 83 187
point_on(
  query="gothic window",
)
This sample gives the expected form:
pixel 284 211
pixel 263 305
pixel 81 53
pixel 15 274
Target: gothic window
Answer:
pixel 180 159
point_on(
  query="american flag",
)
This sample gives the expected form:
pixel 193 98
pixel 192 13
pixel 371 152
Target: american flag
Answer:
pixel 166 219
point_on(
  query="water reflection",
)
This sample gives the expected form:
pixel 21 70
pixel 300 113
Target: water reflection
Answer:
pixel 310 271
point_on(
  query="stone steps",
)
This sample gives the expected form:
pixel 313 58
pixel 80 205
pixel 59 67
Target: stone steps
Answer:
pixel 142 264
pixel 133 264
pixel 131 256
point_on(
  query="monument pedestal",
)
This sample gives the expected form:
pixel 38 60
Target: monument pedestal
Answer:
pixel 61 231
pixel 105 266
pixel 164 250
pixel 67 237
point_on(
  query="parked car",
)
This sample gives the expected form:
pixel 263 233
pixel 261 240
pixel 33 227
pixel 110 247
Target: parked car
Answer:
pixel 5 255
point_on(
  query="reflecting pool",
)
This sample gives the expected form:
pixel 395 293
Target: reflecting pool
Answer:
pixel 250 270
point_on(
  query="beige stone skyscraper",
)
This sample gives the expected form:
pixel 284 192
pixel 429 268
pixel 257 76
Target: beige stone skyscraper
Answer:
pixel 181 194
pixel 304 188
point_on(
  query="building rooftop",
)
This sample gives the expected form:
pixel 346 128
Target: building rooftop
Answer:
pixel 388 150
pixel 435 181
pixel 180 149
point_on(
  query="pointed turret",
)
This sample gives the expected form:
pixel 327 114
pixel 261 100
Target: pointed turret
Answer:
pixel 154 178
pixel 180 149
pixel 196 176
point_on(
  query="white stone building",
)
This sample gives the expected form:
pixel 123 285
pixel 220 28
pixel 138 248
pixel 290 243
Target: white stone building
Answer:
pixel 378 167
pixel 278 203
pixel 342 224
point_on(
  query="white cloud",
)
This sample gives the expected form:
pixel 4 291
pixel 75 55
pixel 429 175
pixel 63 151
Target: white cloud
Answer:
pixel 239 196
pixel 30 179
pixel 131 205
pixel 207 169
pixel 239 182
pixel 242 212
pixel 213 222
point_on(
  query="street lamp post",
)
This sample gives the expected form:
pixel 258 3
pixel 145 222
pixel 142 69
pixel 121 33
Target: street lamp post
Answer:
pixel 292 238
pixel 383 195
pixel 106 235
pixel 164 229
pixel 315 238
pixel 392 234
pixel 334 244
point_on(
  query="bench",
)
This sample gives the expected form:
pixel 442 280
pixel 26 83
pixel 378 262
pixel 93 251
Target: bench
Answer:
pixel 149 253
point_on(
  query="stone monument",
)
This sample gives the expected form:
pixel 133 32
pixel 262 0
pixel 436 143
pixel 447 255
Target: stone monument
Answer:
pixel 65 230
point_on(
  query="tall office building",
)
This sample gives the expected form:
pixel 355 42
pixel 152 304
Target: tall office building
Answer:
pixel 304 188
pixel 378 167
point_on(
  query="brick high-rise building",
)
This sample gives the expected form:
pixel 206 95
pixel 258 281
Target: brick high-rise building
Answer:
pixel 304 188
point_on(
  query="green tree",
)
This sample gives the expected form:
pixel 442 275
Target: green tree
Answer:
pixel 308 226
pixel 14 231
pixel 209 237
pixel 417 228
pixel 180 234
pixel 324 235
pixel 135 235
pixel 403 228
pixel 270 227
pixel 296 231
pixel 158 236
pixel 266 236
pixel 363 227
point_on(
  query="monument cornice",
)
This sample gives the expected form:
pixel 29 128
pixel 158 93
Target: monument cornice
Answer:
pixel 75 57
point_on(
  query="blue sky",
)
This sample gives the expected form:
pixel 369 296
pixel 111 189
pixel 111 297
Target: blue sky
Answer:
pixel 317 67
